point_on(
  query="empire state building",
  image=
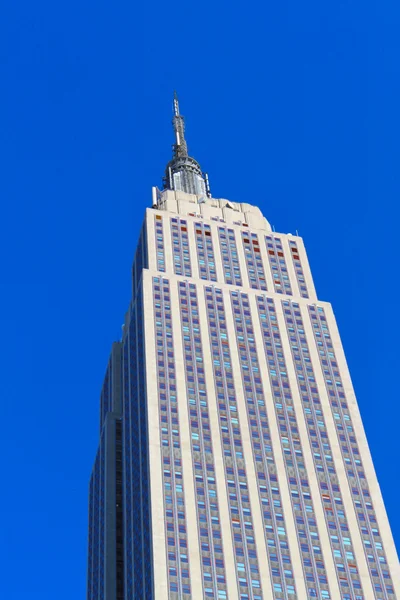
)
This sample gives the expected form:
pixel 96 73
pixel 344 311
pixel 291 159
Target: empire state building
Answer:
pixel 232 461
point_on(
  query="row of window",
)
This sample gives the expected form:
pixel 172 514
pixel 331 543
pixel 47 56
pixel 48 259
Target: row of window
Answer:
pixel 208 518
pixel 96 530
pixel 254 263
pixel 235 469
pixel 298 269
pixel 180 247
pixel 247 570
pixel 128 463
pixel 277 263
pixel 160 250
pixel 302 504
pixel 359 488
pixel 173 485
pixel 267 481
pixel 137 546
pixel 205 252
pixel 229 256
pixel 335 516
pixel 105 397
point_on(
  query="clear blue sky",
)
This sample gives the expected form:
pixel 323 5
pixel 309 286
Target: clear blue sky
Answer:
pixel 293 106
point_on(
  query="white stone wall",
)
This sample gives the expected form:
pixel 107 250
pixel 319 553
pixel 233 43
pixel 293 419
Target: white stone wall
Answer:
pixel 173 204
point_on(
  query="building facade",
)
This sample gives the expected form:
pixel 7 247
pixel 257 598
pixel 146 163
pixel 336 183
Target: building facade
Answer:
pixel 105 543
pixel 232 461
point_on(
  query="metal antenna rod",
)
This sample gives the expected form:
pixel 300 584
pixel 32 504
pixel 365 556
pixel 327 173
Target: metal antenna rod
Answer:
pixel 176 104
pixel 184 172
pixel 180 147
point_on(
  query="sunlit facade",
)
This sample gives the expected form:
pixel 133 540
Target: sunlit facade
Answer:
pixel 245 469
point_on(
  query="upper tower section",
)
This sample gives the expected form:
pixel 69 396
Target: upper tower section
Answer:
pixel 183 173
pixel 210 209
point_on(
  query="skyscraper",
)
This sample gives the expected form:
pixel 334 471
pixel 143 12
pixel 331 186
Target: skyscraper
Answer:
pixel 232 461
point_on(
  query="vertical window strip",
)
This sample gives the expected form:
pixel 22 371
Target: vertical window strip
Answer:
pixel 141 436
pixel 253 259
pixel 298 269
pixel 127 505
pixel 209 525
pixel 159 239
pixel 96 531
pixel 136 475
pixel 91 541
pixel 238 495
pixel 271 506
pixel 336 520
pixel 119 544
pixel 105 396
pixel 140 261
pixel 180 247
pixel 277 263
pixel 365 512
pixel 298 480
pixel 109 386
pixel 205 251
pixel 229 256
pixel 173 490
pixel 101 520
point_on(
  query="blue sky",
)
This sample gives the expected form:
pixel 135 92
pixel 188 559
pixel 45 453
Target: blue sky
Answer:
pixel 291 106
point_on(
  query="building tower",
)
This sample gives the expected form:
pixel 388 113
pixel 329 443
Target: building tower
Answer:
pixel 232 461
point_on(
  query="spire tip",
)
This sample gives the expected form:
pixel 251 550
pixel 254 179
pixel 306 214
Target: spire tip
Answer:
pixel 176 104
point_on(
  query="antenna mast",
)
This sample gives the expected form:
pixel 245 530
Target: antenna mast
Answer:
pixel 184 172
pixel 180 147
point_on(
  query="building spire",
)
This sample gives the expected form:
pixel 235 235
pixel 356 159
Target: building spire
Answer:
pixel 180 147
pixel 176 104
pixel 183 172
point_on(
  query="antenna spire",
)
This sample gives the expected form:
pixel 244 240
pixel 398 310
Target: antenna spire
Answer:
pixel 180 146
pixel 183 172
pixel 176 104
